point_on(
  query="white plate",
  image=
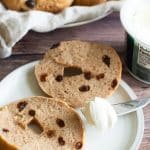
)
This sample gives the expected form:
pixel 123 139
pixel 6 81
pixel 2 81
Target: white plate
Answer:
pixel 126 134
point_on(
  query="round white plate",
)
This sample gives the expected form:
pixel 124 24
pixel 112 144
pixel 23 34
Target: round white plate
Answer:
pixel 126 134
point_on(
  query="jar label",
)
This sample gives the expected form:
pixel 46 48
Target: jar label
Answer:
pixel 144 57
pixel 138 59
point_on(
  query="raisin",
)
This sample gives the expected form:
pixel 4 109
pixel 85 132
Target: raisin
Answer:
pixel 72 71
pixel 106 60
pixel 30 3
pixel 60 123
pixel 100 76
pixel 114 83
pixel 55 45
pixel 21 9
pixel 78 145
pixel 5 130
pixel 66 92
pixel 87 75
pixel 84 88
pixel 59 78
pixel 32 112
pixel 61 141
pixel 21 105
pixel 50 133
pixel 43 77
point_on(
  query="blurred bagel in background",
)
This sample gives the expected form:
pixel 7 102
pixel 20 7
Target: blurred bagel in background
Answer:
pixel 43 5
pixel 88 2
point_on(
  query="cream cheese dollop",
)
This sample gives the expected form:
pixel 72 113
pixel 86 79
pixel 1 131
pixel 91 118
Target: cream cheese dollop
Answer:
pixel 100 113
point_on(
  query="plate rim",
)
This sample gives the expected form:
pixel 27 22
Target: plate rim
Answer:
pixel 125 86
pixel 140 117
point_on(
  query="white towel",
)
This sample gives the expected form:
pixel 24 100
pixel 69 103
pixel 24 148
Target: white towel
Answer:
pixel 14 25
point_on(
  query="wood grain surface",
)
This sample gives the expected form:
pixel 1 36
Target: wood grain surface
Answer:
pixel 107 30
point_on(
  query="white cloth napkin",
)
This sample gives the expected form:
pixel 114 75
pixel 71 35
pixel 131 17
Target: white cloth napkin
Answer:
pixel 14 25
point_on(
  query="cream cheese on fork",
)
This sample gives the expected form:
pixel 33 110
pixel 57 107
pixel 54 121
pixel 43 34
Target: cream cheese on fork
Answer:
pixel 100 113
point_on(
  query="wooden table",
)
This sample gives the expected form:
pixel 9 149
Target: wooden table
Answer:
pixel 108 30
